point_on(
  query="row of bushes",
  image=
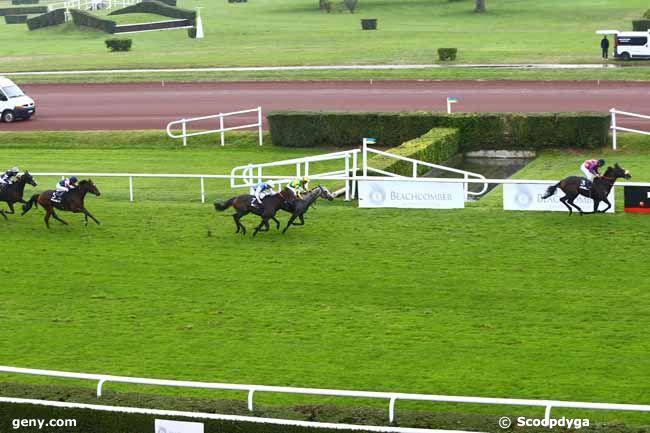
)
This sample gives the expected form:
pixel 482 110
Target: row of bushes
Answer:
pixel 15 19
pixel 86 19
pixel 53 18
pixel 477 130
pixel 24 2
pixel 25 10
pixel 156 7
pixel 436 146
pixel 641 25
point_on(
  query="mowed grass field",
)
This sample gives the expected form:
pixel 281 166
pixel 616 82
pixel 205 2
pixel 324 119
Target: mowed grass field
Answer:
pixel 296 32
pixel 476 301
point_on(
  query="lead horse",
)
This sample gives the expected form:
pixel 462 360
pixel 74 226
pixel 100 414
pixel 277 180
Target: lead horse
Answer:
pixel 13 193
pixel 299 207
pixel 572 186
pixel 73 201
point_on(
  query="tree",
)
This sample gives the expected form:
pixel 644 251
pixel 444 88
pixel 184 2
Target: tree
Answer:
pixel 480 6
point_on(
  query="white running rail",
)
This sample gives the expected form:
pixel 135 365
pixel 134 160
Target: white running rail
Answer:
pixel 253 173
pixel 392 397
pixel 91 4
pixel 183 124
pixel 614 127
pixel 417 163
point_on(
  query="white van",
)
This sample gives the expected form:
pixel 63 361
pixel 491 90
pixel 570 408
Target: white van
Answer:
pixel 629 45
pixel 13 102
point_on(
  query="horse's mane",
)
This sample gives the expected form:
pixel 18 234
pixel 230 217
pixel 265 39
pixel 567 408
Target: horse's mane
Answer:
pixel 83 182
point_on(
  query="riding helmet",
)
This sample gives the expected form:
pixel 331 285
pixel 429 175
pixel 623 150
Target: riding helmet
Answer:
pixel 601 162
pixel 73 179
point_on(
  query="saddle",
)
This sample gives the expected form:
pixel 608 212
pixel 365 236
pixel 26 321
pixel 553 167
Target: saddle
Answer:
pixel 585 186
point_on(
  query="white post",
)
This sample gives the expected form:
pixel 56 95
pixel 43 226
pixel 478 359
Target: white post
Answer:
pixel 466 187
pixel 448 106
pixel 259 120
pixel 298 169
pixel 547 413
pixel 184 131
pixel 365 158
pixel 391 410
pixel 221 127
pixel 130 188
pixel 202 190
pixel 259 174
pixel 199 24
pixel 347 175
pixel 613 127
pixel 306 168
pixel 354 174
pixel 415 169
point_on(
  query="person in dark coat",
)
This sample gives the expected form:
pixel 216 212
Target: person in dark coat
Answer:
pixel 604 44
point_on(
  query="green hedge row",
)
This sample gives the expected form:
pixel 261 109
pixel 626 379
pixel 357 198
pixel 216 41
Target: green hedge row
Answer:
pixel 477 130
pixel 54 18
pixel 156 7
pixel 15 19
pixel 168 2
pixel 24 2
pixel 86 19
pixel 436 146
pixel 641 25
pixel 25 10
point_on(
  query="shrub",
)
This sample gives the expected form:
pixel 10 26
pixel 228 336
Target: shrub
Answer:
pixel 119 44
pixel 477 130
pixel 641 25
pixel 24 2
pixel 167 2
pixel 15 19
pixel 647 14
pixel 24 10
pixel 83 18
pixel 351 5
pixel 192 32
pixel 445 54
pixel 53 18
pixel 156 7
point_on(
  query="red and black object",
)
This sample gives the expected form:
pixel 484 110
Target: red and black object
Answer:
pixel 637 199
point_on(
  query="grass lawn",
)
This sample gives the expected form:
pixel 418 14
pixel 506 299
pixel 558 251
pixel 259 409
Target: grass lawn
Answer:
pixel 466 302
pixel 295 32
pixel 137 18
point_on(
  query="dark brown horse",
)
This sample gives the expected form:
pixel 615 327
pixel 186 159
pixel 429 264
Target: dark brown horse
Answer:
pixel 299 207
pixel 14 193
pixel 573 186
pixel 72 201
pixel 243 206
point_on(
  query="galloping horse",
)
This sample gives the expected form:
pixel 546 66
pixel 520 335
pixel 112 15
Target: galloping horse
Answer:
pixel 299 207
pixel 14 193
pixel 600 188
pixel 73 201
pixel 243 206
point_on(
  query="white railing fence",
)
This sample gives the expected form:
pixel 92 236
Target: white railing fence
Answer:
pixel 615 127
pixel 253 173
pixel 221 130
pixel 391 397
pixel 91 4
pixel 416 164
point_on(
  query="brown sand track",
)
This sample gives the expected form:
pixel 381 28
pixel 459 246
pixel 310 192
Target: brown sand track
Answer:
pixel 153 105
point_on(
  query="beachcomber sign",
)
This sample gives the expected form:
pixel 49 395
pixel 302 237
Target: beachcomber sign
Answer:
pixel 528 196
pixel 411 194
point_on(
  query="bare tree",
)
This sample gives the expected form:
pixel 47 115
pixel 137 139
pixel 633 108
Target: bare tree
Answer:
pixel 480 6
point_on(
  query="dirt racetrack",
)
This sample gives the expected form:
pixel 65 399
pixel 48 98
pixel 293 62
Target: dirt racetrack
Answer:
pixel 153 105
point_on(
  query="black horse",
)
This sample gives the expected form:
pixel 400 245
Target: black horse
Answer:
pixel 14 193
pixel 72 201
pixel 299 207
pixel 573 186
pixel 243 206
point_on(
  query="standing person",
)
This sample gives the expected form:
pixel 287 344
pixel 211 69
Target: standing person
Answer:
pixel 590 167
pixel 604 45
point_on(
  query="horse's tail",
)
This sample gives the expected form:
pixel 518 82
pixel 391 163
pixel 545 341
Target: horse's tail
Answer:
pixel 225 205
pixel 33 201
pixel 551 190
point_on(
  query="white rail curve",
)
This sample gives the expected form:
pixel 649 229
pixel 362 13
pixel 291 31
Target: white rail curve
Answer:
pixel 392 397
pixel 221 130
pixel 614 127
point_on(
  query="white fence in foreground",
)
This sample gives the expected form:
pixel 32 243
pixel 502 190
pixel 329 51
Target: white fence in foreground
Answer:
pixel 221 130
pixel 614 126
pixel 392 397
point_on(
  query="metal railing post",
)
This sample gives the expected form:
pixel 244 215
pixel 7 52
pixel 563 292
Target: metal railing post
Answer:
pixel 250 399
pixel 466 186
pixel 130 188
pixel 347 174
pixel 259 120
pixel 365 158
pixel 415 169
pixel 613 127
pixel 391 410
pixel 221 128
pixel 354 174
pixel 547 413
pixel 184 129
pixel 259 174
pixel 202 190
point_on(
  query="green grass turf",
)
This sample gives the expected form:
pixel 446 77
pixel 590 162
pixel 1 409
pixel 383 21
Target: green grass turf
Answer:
pixel 137 18
pixel 295 32
pixel 467 302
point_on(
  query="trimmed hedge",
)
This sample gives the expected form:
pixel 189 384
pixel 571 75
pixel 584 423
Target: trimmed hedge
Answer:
pixel 445 54
pixel 15 19
pixel 436 146
pixel 168 2
pixel 24 2
pixel 156 7
pixel 54 18
pixel 25 10
pixel 478 131
pixel 86 19
pixel 119 44
pixel 641 25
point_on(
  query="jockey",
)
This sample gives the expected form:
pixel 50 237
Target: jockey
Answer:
pixel 590 168
pixel 5 179
pixel 63 186
pixel 260 191
pixel 299 185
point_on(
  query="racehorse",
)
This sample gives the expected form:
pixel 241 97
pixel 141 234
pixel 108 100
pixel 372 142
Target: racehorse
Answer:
pixel 14 193
pixel 72 201
pixel 243 206
pixel 299 207
pixel 573 186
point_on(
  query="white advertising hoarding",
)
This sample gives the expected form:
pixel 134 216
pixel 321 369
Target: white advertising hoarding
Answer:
pixel 528 196
pixel 411 194
pixel 168 426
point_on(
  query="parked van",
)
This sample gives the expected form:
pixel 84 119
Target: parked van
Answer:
pixel 629 45
pixel 14 104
